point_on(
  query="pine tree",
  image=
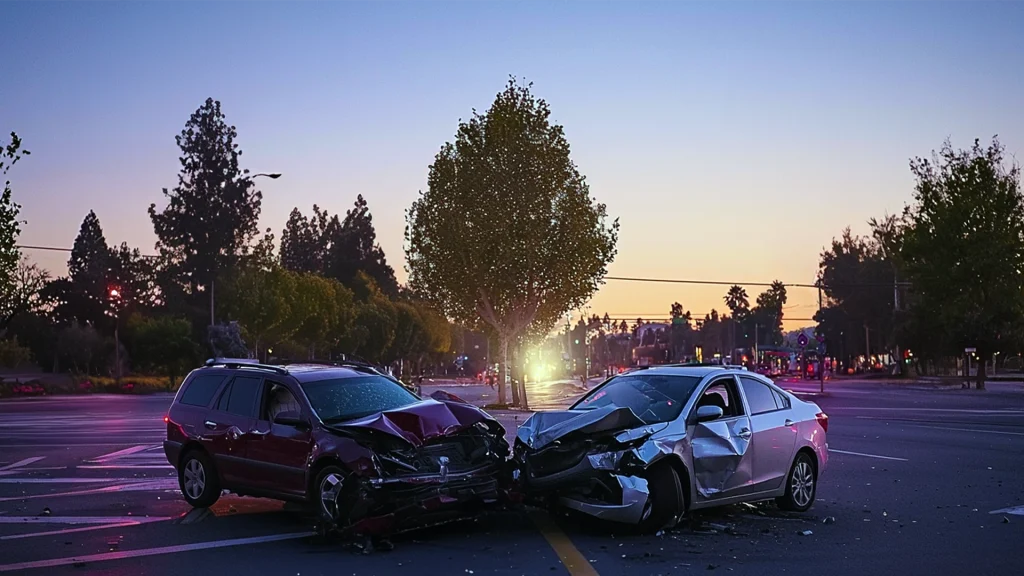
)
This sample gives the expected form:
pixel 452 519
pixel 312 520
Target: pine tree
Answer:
pixel 354 248
pixel 213 212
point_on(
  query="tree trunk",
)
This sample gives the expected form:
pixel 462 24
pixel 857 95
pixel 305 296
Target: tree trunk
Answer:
pixel 524 403
pixel 979 384
pixel 502 370
pixel 515 374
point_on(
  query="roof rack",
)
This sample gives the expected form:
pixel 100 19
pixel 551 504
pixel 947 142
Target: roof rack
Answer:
pixel 235 363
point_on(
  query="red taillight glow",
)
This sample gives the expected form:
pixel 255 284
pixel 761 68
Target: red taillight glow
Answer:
pixel 167 419
pixel 822 419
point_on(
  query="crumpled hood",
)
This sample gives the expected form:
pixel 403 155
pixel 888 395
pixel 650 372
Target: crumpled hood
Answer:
pixel 423 421
pixel 544 428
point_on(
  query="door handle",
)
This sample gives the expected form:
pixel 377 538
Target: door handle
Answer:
pixel 745 433
pixel 258 433
pixel 789 422
pixel 210 424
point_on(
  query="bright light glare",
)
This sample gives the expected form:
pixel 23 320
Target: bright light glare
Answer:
pixel 114 293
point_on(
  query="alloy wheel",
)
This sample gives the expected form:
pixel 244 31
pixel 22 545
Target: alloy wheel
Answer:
pixel 195 479
pixel 330 491
pixel 802 483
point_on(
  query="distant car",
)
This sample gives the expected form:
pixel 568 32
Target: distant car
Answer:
pixel 648 445
pixel 360 449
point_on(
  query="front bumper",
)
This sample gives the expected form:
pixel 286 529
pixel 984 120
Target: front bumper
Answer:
pixel 635 501
pixel 397 505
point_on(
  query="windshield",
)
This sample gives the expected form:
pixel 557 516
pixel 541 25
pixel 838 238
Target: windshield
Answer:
pixel 344 399
pixel 654 398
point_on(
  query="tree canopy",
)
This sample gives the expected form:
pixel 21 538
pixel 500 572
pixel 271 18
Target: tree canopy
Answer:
pixel 964 247
pixel 10 226
pixel 506 233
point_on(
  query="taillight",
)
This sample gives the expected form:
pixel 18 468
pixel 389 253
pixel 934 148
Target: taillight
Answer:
pixel 167 419
pixel 822 419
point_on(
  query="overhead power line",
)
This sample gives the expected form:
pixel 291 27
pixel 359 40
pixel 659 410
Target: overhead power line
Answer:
pixel 723 283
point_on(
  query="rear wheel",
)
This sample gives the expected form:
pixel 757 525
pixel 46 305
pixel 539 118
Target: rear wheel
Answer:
pixel 801 485
pixel 665 500
pixel 198 480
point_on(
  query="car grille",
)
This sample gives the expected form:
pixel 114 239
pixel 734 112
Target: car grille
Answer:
pixel 556 458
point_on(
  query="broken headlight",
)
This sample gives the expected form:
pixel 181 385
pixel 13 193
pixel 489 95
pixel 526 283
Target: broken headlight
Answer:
pixel 605 460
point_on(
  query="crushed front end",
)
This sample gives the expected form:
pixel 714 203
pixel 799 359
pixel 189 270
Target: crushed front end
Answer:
pixel 409 473
pixel 591 461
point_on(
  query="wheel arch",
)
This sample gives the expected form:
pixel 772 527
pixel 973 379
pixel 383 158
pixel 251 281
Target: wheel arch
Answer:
pixel 677 464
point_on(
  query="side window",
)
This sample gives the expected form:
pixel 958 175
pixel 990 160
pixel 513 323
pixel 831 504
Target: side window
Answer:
pixel 240 396
pixel 201 389
pixel 277 398
pixel 760 397
pixel 722 393
pixel 781 399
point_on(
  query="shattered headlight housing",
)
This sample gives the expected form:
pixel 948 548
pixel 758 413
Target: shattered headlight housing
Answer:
pixel 606 460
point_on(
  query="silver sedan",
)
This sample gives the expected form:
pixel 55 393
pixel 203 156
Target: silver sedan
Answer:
pixel 648 445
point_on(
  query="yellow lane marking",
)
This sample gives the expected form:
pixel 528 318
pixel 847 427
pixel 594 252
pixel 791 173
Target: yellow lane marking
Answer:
pixel 570 556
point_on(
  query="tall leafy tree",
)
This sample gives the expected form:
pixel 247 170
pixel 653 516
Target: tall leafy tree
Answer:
pixel 964 247
pixel 212 214
pixel 353 248
pixel 10 226
pixel 856 275
pixel 506 233
pixel 25 293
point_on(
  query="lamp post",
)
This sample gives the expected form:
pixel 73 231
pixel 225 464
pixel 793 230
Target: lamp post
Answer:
pixel 213 282
pixel 115 298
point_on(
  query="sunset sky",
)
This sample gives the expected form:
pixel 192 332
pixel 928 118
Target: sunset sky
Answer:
pixel 732 140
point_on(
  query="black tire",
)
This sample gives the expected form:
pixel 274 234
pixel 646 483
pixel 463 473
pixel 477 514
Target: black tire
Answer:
pixel 198 479
pixel 666 499
pixel 338 515
pixel 801 485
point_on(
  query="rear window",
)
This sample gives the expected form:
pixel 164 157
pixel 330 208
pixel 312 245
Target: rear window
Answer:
pixel 240 397
pixel 344 399
pixel 201 389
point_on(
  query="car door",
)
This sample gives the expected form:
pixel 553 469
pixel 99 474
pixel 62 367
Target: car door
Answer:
pixel 774 433
pixel 722 465
pixel 280 452
pixel 226 427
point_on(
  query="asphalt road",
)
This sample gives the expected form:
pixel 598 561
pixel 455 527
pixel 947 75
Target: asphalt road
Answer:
pixel 916 481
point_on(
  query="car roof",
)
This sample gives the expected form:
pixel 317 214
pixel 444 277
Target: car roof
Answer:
pixel 303 372
pixel 697 371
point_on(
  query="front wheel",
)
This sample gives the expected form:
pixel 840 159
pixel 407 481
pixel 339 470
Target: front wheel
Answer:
pixel 801 485
pixel 198 480
pixel 327 492
pixel 665 500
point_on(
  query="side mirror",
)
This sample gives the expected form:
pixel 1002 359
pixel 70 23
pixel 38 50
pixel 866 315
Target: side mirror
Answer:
pixel 709 413
pixel 293 419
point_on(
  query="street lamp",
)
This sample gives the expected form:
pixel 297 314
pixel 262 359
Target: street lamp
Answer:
pixel 115 298
pixel 272 176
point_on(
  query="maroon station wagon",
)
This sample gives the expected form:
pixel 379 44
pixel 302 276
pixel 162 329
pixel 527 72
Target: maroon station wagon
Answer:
pixel 364 452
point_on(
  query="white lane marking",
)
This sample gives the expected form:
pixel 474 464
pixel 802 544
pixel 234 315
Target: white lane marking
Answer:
pixel 22 463
pixel 127 466
pixel 67 445
pixel 82 529
pixel 967 430
pixel 154 485
pixel 910 409
pixel 123 554
pixel 77 519
pixel 867 455
pixel 1014 510
pixel 65 480
pixel 121 453
pixel 31 470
